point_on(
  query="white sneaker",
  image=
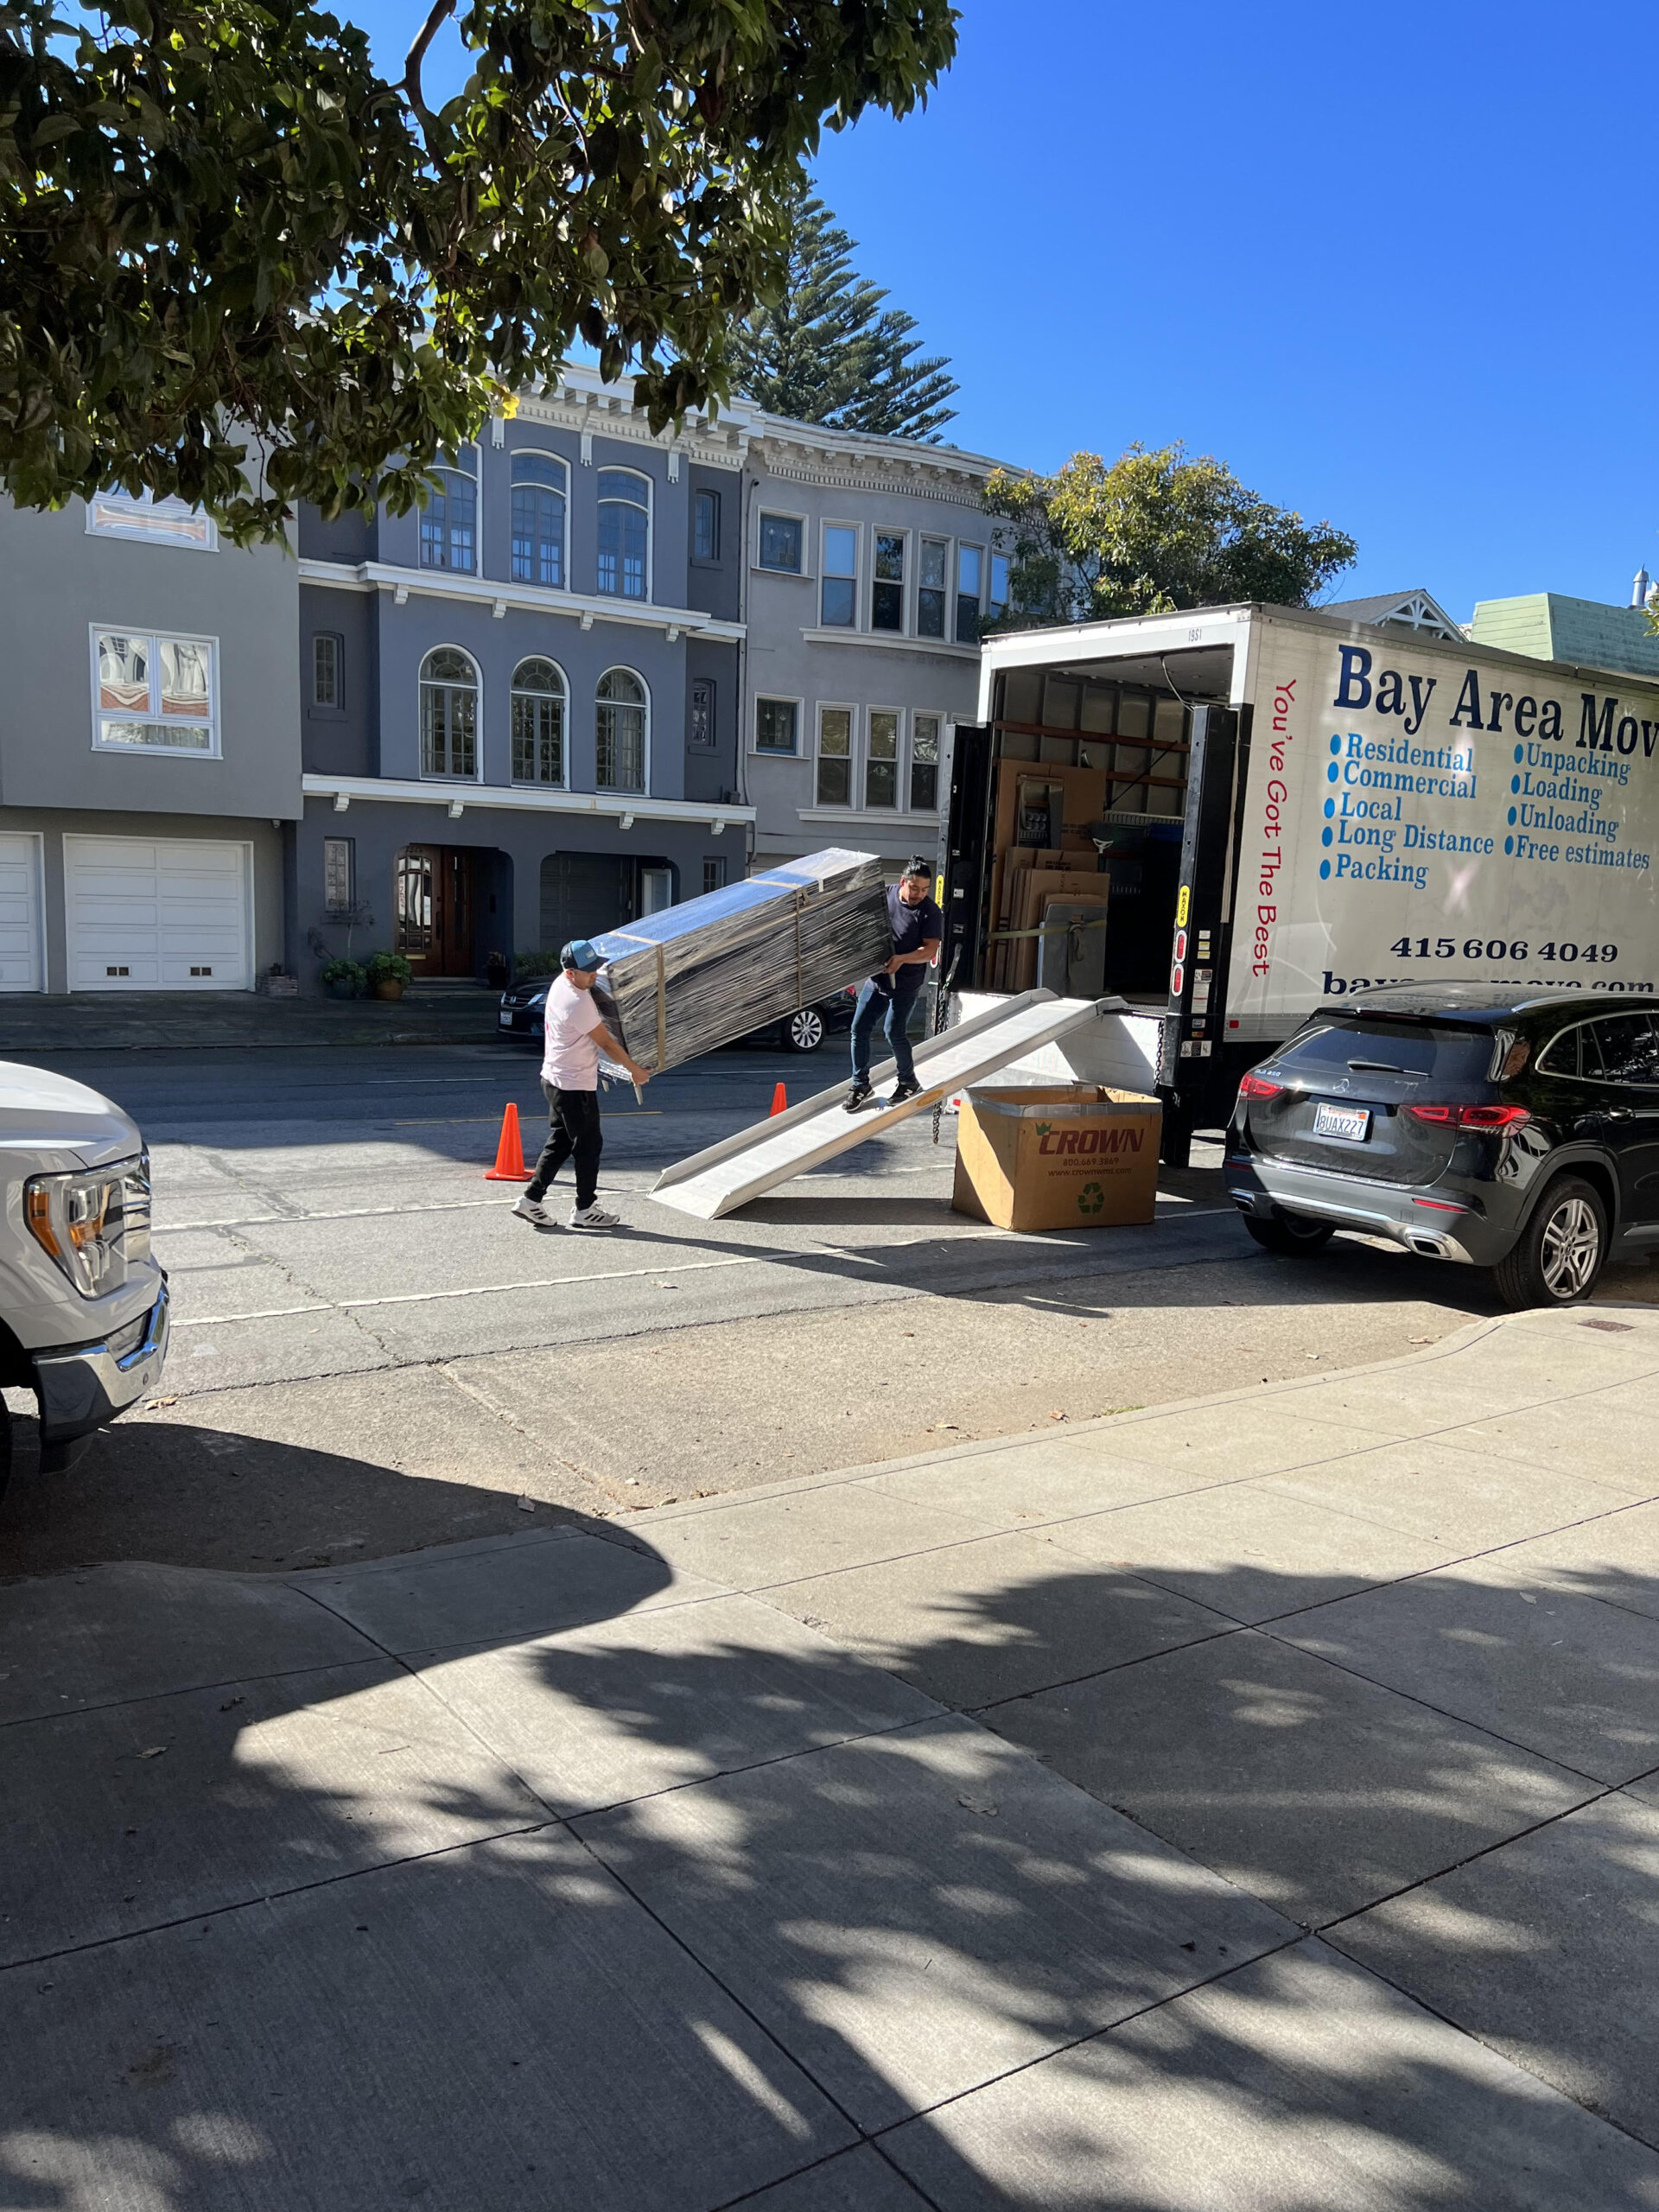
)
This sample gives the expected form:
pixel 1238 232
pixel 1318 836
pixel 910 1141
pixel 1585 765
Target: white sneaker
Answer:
pixel 532 1210
pixel 594 1217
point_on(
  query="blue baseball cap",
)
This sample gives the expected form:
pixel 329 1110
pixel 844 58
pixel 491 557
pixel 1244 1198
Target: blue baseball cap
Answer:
pixel 579 953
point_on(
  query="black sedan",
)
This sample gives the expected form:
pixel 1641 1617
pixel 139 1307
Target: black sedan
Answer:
pixel 1514 1132
pixel 803 1031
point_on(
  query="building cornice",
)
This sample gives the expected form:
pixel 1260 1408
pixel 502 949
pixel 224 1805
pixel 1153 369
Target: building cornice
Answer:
pixel 869 819
pixel 457 797
pixel 929 648
pixel 428 584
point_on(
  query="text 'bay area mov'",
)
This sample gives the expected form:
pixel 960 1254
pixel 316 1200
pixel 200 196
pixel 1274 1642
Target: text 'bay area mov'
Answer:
pixel 1557 786
pixel 1426 815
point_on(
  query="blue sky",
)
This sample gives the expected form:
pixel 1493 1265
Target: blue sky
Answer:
pixel 1395 269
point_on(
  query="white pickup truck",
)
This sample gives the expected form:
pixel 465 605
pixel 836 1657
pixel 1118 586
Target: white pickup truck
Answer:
pixel 83 1305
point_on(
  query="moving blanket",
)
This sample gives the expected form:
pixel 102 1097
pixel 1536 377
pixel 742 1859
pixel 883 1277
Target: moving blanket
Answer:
pixel 679 982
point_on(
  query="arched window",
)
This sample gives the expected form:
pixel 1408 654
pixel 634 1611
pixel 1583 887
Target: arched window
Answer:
pixel 538 497
pixel 623 532
pixel 621 731
pixel 538 723
pixel 449 518
pixel 449 713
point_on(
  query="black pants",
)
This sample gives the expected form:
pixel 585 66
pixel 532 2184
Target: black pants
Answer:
pixel 574 1134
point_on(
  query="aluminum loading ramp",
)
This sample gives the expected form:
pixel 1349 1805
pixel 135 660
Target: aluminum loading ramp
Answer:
pixel 728 1175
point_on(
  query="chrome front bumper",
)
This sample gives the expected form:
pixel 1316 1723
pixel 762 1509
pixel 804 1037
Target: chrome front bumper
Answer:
pixel 81 1388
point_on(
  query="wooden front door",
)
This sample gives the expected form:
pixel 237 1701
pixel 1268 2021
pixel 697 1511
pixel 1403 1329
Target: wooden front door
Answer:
pixel 433 904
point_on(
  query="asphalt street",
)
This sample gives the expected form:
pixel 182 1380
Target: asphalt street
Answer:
pixel 371 1354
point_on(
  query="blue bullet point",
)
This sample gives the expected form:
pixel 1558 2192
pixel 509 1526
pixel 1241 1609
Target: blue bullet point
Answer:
pixel 1519 754
pixel 1508 844
pixel 1335 744
pixel 1326 835
pixel 1331 772
pixel 1330 808
pixel 1324 868
pixel 1512 813
pixel 1515 782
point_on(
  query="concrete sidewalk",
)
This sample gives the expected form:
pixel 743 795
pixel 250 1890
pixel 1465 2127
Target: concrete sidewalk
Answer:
pixel 1247 1806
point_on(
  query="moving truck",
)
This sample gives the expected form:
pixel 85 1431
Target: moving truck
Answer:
pixel 1289 808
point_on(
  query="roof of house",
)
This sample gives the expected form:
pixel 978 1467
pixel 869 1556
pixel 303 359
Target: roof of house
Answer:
pixel 1584 631
pixel 1404 610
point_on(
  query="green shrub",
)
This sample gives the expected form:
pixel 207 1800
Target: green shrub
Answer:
pixel 525 964
pixel 343 971
pixel 385 967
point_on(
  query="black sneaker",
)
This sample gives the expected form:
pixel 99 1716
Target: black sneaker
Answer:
pixel 859 1095
pixel 903 1090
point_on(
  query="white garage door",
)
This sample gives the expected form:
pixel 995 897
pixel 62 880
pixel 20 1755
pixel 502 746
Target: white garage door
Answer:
pixel 156 914
pixel 20 913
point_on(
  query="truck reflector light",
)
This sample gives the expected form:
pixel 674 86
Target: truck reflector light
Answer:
pixel 1257 1086
pixel 1177 979
pixel 1471 1117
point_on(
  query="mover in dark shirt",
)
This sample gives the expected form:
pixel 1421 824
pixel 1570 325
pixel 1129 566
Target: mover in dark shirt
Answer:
pixel 917 929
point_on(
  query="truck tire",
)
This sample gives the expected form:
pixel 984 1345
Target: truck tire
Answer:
pixel 1290 1233
pixel 1558 1254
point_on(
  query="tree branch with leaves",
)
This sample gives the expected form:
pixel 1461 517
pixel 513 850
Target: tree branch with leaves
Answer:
pixel 1151 532
pixel 239 265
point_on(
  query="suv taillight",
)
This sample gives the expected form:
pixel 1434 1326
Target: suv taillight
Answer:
pixel 1497 1119
pixel 1257 1086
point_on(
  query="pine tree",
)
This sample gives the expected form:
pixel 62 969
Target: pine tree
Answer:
pixel 828 352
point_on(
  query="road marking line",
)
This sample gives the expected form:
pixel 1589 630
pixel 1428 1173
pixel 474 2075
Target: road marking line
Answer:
pixel 481 1290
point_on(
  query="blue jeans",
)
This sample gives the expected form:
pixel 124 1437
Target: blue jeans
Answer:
pixel 873 1003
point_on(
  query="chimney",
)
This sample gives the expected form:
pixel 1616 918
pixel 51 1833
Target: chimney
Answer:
pixel 1639 588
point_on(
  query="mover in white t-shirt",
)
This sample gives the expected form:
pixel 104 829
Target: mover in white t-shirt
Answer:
pixel 575 1036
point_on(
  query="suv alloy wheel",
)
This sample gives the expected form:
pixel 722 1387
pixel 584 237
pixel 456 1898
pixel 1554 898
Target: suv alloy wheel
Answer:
pixel 1559 1254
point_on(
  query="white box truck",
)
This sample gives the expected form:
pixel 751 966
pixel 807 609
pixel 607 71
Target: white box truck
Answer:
pixel 1290 807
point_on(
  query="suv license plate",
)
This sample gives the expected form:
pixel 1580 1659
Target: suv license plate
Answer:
pixel 1351 1123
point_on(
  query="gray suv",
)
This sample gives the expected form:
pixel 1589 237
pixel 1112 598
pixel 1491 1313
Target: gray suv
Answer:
pixel 83 1305
pixel 1514 1131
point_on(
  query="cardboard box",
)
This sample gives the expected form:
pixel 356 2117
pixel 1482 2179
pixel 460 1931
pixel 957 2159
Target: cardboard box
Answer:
pixel 1078 1156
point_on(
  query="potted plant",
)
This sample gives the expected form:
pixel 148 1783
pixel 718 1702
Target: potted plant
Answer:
pixel 343 979
pixel 497 974
pixel 389 973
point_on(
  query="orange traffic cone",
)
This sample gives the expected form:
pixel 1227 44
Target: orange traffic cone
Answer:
pixel 509 1153
pixel 779 1102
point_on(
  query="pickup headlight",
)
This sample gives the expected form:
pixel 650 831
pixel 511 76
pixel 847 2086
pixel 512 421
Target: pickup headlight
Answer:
pixel 93 1223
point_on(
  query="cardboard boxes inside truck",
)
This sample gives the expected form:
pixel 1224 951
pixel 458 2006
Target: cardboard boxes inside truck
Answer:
pixel 1078 1156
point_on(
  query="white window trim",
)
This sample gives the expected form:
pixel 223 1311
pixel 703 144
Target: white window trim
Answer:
pixel 803 574
pixel 546 453
pixel 982 547
pixel 939 715
pixel 475 474
pixel 447 644
pixel 780 699
pixel 856 627
pixel 212 751
pixel 890 641
pixel 849 708
pixel 615 468
pixel 519 783
pixel 313 704
pixel 907 610
pixel 952 547
pixel 612 791
pixel 901 765
pixel 139 533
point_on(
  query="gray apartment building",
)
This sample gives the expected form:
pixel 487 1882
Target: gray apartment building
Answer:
pixel 149 750
pixel 871 564
pixel 600 673
pixel 520 703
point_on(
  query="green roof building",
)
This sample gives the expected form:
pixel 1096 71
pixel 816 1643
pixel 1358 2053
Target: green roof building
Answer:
pixel 1581 631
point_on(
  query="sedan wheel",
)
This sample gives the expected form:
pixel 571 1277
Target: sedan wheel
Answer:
pixel 803 1032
